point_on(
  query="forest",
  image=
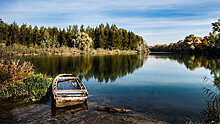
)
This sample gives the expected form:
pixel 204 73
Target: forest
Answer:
pixel 191 44
pixel 103 36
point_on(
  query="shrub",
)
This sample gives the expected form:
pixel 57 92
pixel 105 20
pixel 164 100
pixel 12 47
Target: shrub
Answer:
pixel 37 86
pixel 12 70
pixel 34 87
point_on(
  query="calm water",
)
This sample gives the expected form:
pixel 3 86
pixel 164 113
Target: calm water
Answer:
pixel 168 88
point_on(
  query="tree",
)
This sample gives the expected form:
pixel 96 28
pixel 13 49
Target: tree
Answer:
pixel 68 37
pixel 29 37
pixel 82 41
pixel 36 36
pixel 82 28
pixel 192 41
pixel 23 31
pixel 101 36
pixel 75 29
pixel 14 33
pixel 216 26
pixel 4 32
pixel 105 37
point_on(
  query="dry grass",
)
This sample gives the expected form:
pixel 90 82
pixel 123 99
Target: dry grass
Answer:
pixel 64 50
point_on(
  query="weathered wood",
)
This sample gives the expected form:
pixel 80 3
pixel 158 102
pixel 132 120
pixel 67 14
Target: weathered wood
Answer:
pixel 70 91
pixel 77 94
pixel 67 78
pixel 68 103
pixel 113 110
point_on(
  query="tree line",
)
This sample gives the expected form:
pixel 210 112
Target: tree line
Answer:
pixel 192 44
pixel 103 36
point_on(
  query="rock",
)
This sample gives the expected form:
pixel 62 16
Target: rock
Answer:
pixel 113 110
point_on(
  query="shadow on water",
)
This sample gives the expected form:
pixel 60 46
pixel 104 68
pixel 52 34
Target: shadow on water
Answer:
pixel 103 68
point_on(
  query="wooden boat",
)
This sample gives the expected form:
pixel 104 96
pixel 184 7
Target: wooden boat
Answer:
pixel 68 90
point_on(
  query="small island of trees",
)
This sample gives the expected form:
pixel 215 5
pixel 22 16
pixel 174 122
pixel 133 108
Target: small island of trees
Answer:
pixel 192 44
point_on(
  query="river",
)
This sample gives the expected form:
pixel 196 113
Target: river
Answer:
pixel 162 87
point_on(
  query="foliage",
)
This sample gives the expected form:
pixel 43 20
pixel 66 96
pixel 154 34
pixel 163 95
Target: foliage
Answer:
pixel 82 41
pixel 216 26
pixel 37 86
pixel 211 115
pixel 33 87
pixel 18 79
pixel 12 70
pixel 105 37
pixel 192 44
pixel 212 111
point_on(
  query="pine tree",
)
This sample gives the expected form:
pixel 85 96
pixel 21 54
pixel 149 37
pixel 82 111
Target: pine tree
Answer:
pixel 4 32
pixel 36 36
pixel 14 33
pixel 29 36
pixel 23 33
pixel 82 28
pixel 101 36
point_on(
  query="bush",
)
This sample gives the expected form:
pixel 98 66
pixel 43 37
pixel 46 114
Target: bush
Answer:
pixel 12 70
pixel 37 86
pixel 82 41
pixel 34 87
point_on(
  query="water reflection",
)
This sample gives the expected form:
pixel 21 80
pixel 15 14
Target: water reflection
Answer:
pixel 65 111
pixel 165 90
pixel 192 62
pixel 102 68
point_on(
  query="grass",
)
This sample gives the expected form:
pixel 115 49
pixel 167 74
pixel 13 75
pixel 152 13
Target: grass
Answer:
pixel 20 50
pixel 211 115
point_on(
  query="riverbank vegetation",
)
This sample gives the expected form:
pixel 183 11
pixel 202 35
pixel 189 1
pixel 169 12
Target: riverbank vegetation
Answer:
pixel 211 114
pixel 212 111
pixel 192 44
pixel 21 50
pixel 83 40
pixel 18 79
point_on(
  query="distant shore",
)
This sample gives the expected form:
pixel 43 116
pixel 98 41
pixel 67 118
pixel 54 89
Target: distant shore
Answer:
pixel 20 50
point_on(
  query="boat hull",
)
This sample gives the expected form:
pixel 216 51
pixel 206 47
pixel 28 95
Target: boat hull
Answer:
pixel 63 98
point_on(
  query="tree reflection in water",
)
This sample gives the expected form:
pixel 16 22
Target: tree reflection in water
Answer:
pixel 212 112
pixel 192 62
pixel 103 68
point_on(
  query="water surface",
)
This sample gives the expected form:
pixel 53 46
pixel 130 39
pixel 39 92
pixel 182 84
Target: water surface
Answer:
pixel 167 88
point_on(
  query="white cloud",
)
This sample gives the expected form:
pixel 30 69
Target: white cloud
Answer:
pixel 154 29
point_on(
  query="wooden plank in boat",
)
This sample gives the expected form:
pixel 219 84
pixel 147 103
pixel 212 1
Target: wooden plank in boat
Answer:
pixel 66 78
pixel 70 91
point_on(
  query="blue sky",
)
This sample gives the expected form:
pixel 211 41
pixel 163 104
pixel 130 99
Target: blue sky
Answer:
pixel 158 21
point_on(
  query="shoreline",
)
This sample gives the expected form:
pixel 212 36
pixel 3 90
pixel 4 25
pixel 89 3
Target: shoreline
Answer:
pixel 19 50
